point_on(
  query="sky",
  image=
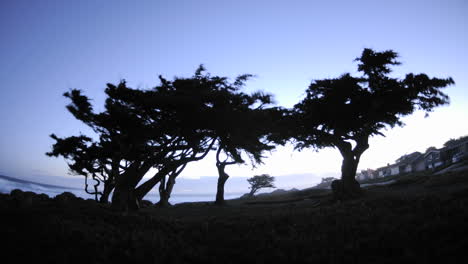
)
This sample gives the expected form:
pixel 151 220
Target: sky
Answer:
pixel 49 47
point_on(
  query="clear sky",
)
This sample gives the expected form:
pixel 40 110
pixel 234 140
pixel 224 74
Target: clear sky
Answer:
pixel 48 47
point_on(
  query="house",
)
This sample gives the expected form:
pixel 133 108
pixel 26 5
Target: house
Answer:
pixel 418 164
pixel 416 161
pixel 383 171
pixel 369 173
pixel 433 159
pixel 360 177
pixel 405 164
pixel 394 169
pixel 365 175
pixel 456 152
pixel 375 174
pixel 410 163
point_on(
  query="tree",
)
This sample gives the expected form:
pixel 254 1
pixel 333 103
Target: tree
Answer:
pixel 258 182
pixel 236 121
pixel 85 158
pixel 162 128
pixel 344 112
pixel 453 142
pixel 241 124
pixel 248 137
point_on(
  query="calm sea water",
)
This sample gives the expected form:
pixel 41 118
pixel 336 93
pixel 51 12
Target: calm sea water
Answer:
pixel 6 186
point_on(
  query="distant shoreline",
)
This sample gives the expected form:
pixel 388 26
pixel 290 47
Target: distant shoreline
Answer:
pixel 40 184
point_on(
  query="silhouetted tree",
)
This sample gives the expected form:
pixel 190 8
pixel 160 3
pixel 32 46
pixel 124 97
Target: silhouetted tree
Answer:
pixel 344 112
pixel 453 142
pixel 193 98
pixel 226 121
pixel 241 125
pixel 162 128
pixel 85 158
pixel 258 182
pixel 165 128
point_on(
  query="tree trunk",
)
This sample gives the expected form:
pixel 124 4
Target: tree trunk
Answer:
pixel 348 187
pixel 222 178
pixel 351 187
pixel 165 190
pixel 109 184
pixel 170 187
pixel 163 199
pixel 108 188
pixel 222 175
pixel 252 192
pixel 124 198
pixel 146 187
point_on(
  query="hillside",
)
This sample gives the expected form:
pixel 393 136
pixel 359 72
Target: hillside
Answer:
pixel 418 218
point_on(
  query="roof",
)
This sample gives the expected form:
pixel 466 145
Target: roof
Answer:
pixel 431 151
pixel 410 158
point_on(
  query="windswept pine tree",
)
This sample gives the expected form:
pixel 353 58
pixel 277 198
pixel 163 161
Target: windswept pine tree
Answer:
pixel 242 124
pixel 87 158
pixel 258 182
pixel 163 128
pixel 344 112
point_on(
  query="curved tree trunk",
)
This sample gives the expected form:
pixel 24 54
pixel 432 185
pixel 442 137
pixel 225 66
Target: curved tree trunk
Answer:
pixel 173 170
pixel 109 184
pixel 146 187
pixel 124 198
pixel 222 175
pixel 165 190
pixel 163 199
pixel 108 188
pixel 252 192
pixel 348 187
pixel 222 178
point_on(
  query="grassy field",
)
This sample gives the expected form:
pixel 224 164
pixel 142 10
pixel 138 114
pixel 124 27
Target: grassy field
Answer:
pixel 418 218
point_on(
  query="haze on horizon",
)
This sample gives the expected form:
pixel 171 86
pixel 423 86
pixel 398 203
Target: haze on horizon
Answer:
pixel 52 46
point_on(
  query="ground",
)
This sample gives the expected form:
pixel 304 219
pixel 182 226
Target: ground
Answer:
pixel 419 218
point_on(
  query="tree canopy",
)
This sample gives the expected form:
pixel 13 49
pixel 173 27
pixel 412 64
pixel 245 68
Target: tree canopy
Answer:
pixel 242 124
pixel 163 128
pixel 182 120
pixel 258 182
pixel 455 141
pixel 344 112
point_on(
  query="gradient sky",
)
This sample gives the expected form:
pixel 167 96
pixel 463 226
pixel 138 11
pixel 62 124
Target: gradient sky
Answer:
pixel 48 47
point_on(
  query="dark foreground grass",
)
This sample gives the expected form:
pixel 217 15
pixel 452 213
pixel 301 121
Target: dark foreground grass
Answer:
pixel 421 221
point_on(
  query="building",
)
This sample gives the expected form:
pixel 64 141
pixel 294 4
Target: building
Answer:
pixel 455 153
pixel 365 175
pixel 433 159
pixel 394 169
pixel 410 163
pixel 383 171
pixel 405 164
pixel 416 161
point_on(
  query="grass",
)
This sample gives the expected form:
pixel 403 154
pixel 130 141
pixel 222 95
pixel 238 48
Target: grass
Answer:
pixel 419 218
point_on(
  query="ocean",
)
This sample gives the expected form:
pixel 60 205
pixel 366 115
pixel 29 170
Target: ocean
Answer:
pixel 8 184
